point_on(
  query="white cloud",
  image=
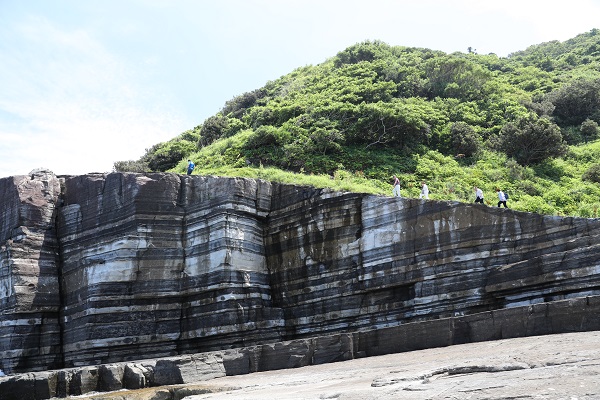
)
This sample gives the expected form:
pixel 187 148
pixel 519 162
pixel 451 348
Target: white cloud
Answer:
pixel 548 19
pixel 73 107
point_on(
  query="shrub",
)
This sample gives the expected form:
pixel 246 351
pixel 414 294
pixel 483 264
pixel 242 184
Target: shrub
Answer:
pixel 588 210
pixel 164 156
pixel 130 166
pixel 531 140
pixel 191 135
pixel 212 129
pixel 576 101
pixel 549 169
pixel 236 107
pixel 265 136
pixel 535 204
pixel 589 129
pixel 464 140
pixel 435 165
pixel 592 174
pixel 529 188
pixel 559 198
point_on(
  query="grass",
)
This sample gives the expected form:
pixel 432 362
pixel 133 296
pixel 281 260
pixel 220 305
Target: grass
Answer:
pixel 554 187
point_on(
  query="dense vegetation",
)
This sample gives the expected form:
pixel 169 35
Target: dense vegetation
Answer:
pixel 526 123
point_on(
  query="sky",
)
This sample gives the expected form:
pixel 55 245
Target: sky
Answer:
pixel 85 83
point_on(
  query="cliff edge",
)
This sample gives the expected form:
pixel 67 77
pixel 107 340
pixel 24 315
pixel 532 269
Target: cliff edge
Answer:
pixel 111 268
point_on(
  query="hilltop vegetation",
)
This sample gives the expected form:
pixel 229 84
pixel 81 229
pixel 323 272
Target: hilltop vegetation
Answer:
pixel 527 123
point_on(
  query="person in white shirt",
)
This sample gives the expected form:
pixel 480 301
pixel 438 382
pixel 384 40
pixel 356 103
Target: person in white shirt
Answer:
pixel 501 198
pixel 424 191
pixel 478 195
pixel 396 184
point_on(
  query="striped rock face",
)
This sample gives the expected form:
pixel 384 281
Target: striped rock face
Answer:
pixel 115 267
pixel 30 299
pixel 156 265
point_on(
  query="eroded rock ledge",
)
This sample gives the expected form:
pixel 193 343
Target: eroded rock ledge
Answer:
pixel 565 316
pixel 112 268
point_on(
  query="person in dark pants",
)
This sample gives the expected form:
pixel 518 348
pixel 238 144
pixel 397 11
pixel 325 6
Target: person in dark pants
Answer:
pixel 190 167
pixel 501 198
pixel 478 195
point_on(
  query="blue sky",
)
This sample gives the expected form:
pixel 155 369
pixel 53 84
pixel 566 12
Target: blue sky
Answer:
pixel 85 83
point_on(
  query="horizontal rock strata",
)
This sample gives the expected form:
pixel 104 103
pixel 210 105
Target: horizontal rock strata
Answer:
pixel 553 317
pixel 161 265
pixel 349 261
pixel 30 296
pixel 110 268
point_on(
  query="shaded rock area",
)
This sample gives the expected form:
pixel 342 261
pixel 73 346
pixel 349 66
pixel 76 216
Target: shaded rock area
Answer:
pixel 100 271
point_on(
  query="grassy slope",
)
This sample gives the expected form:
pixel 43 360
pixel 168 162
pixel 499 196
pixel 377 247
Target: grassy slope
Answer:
pixel 554 187
pixel 372 80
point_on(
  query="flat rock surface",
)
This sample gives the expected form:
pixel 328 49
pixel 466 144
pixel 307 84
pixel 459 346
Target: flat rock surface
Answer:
pixel 565 366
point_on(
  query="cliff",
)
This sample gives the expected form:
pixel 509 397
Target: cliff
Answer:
pixel 109 268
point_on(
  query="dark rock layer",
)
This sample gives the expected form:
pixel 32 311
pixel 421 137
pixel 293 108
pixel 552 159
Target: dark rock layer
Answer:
pixel 30 296
pixel 554 317
pixel 111 268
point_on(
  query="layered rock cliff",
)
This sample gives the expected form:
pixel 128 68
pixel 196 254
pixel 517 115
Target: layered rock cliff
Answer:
pixel 116 267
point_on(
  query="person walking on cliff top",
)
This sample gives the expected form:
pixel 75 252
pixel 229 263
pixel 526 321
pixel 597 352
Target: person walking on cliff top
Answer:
pixel 190 167
pixel 478 195
pixel 501 198
pixel 396 184
pixel 424 191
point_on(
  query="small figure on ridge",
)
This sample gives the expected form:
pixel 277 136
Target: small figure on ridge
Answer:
pixel 424 191
pixel 501 198
pixel 190 167
pixel 478 195
pixel 396 184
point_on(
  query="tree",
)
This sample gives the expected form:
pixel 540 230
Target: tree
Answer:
pixel 589 129
pixel 464 140
pixel 325 141
pixel 543 108
pixel 402 124
pixel 164 156
pixel 531 140
pixel 455 77
pixel 236 107
pixel 265 136
pixel 592 174
pixel 576 101
pixel 212 129
pixel 365 51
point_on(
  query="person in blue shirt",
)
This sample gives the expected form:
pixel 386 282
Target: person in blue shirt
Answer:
pixel 190 167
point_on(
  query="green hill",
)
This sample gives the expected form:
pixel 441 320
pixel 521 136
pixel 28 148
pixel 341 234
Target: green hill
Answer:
pixel 526 123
